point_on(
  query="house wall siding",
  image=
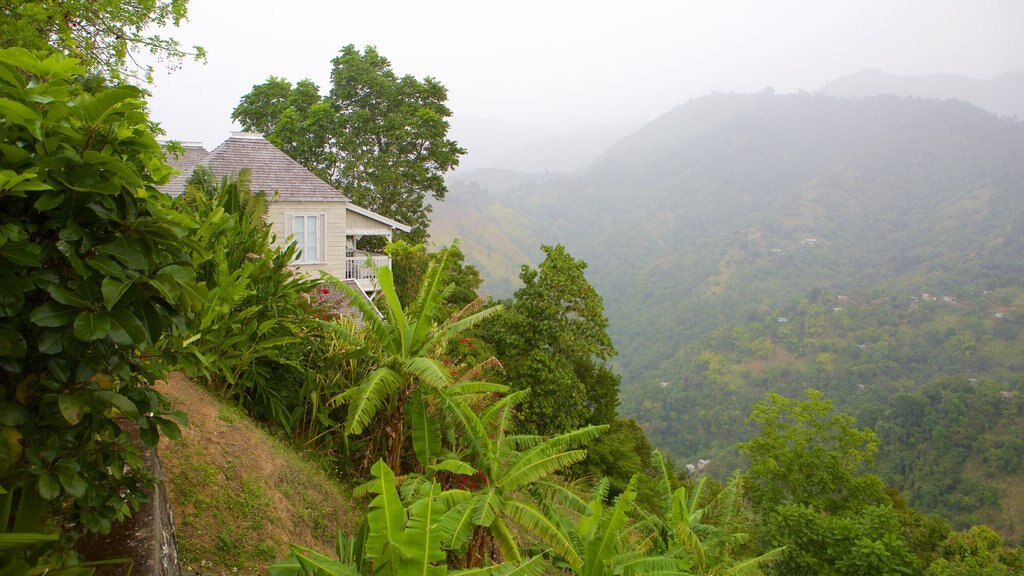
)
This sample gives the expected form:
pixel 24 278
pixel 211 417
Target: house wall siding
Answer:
pixel 334 242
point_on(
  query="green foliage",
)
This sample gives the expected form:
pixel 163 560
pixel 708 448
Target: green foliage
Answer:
pixel 619 455
pixel 91 274
pixel 807 480
pixel 99 34
pixel 409 265
pixel 605 544
pixel 249 340
pixel 552 339
pixel 711 525
pixel 396 539
pixel 405 346
pixel 803 453
pixel 978 551
pixel 511 483
pixel 379 138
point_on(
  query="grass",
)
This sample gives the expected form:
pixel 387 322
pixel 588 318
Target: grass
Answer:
pixel 241 496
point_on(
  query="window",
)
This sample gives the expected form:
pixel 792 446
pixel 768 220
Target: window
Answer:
pixel 308 232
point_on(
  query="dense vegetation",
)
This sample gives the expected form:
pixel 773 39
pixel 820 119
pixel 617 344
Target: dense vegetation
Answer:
pixel 774 243
pixel 467 422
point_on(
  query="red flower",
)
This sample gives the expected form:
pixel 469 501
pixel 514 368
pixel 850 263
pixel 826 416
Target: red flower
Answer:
pixel 466 341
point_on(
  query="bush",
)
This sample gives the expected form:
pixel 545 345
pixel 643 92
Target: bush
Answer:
pixel 91 274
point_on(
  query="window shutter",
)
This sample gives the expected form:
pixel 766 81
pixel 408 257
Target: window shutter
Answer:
pixel 288 217
pixel 321 237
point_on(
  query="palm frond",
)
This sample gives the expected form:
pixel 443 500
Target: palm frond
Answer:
pixel 755 566
pixel 447 332
pixel 533 521
pixel 528 470
pixel 476 372
pixel 368 397
pixel 664 488
pixel 429 372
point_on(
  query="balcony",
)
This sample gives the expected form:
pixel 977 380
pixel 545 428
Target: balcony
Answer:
pixel 359 266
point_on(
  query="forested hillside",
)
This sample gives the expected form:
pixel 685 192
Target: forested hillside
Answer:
pixel 753 243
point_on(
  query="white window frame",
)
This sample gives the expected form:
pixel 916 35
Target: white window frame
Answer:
pixel 319 239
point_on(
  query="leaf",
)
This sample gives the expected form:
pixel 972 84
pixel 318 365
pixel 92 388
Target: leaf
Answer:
pixel 386 517
pixel 113 289
pixel 122 403
pixel 66 297
pixel 51 342
pixel 17 112
pixel 106 265
pixel 50 200
pixel 125 253
pixel 68 474
pixel 12 344
pixel 126 329
pixel 168 428
pixel 421 541
pixel 91 326
pixel 53 315
pixel 49 487
pixel 454 466
pixel 72 407
pixel 426 429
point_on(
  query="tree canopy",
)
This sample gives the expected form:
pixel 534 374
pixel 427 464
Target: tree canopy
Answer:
pixel 552 339
pixel 104 35
pixel 379 138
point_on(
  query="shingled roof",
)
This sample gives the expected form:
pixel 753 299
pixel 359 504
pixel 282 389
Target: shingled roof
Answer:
pixel 271 169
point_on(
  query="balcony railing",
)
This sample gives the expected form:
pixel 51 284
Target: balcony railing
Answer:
pixel 358 265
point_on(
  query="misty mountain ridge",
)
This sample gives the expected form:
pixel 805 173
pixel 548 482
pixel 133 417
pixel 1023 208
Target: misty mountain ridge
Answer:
pixel 810 165
pixel 1002 95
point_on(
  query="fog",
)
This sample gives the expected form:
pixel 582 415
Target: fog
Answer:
pixel 575 75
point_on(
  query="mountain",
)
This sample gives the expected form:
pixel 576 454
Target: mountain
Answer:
pixel 745 244
pixel 533 147
pixel 1002 95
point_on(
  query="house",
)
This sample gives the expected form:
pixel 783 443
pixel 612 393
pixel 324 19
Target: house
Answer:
pixel 303 208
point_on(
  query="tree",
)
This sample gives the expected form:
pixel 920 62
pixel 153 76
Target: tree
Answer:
pixel 102 34
pixel 807 480
pixel 379 138
pixel 552 339
pixel 92 274
pixel 805 454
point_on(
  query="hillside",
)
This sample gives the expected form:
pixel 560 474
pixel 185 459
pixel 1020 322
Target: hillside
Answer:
pixel 239 496
pixel 708 225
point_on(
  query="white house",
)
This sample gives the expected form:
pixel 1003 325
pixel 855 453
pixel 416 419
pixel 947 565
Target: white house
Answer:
pixel 319 218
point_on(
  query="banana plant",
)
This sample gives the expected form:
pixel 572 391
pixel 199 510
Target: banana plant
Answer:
pixel 709 527
pixel 498 476
pixel 608 547
pixel 408 343
pixel 396 540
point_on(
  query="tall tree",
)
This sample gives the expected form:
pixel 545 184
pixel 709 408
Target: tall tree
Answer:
pixel 103 34
pixel 552 339
pixel 379 138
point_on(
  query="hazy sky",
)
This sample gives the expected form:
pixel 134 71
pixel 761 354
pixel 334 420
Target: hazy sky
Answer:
pixel 562 61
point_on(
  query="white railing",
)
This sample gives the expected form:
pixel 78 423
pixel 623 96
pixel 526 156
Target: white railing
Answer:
pixel 357 265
